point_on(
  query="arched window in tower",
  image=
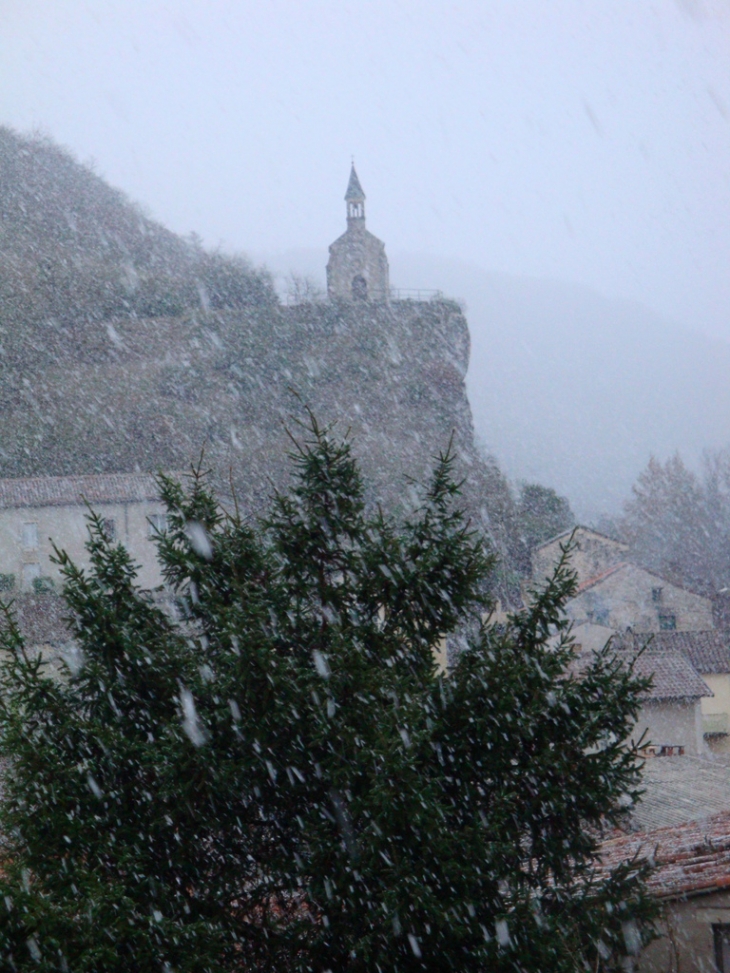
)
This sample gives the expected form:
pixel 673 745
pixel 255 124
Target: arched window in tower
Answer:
pixel 359 288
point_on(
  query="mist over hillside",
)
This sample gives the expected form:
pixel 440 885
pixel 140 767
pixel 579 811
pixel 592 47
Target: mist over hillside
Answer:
pixel 570 388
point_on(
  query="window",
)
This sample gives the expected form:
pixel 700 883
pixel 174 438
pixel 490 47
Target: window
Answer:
pixel 30 573
pixel 30 536
pixel 721 935
pixel 667 623
pixel 359 289
pixel 109 529
pixel 656 595
pixel 156 525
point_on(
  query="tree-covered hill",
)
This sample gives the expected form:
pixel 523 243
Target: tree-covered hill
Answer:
pixel 125 347
pixel 75 250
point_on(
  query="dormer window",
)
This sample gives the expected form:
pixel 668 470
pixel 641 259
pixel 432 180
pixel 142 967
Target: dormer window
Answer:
pixel 656 595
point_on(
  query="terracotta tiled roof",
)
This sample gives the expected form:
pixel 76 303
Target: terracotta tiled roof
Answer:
pixel 600 577
pixel 707 651
pixel 54 491
pixel 673 674
pixel 690 858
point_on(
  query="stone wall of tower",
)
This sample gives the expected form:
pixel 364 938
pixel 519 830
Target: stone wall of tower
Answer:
pixel 357 269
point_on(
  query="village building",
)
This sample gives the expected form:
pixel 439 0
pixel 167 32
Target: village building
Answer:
pixel 592 554
pixel 688 708
pixel 617 594
pixel 627 596
pixel 40 512
pixel 357 269
pixel 670 719
pixel 691 879
pixel 709 656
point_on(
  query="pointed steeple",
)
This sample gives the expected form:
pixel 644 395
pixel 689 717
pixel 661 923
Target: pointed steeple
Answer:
pixel 354 189
pixel 355 199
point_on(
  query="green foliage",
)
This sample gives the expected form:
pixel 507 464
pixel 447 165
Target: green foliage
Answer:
pixel 541 514
pixel 272 775
pixel 7 582
pixel 44 585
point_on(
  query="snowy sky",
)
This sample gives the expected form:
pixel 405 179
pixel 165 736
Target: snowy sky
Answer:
pixel 580 140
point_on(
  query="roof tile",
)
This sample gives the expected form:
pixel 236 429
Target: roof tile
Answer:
pixel 51 491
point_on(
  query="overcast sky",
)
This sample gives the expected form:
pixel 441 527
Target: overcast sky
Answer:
pixel 580 140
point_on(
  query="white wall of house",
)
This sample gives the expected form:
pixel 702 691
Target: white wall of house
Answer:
pixel 673 722
pixel 26 535
pixel 716 711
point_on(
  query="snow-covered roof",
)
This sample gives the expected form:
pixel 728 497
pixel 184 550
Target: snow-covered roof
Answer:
pixel 707 651
pixel 690 859
pixel 50 491
pixel 674 677
pixel 680 789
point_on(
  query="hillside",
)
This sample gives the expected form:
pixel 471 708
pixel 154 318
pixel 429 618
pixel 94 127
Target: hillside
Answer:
pixel 74 250
pixel 126 348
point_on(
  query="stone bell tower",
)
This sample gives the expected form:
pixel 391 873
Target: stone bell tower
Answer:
pixel 357 269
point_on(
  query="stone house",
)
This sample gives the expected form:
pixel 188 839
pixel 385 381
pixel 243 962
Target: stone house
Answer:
pixel 616 594
pixel 671 715
pixel 689 705
pixel 357 269
pixel 593 554
pixel 709 656
pixel 627 596
pixel 691 879
pixel 37 512
pixel 670 719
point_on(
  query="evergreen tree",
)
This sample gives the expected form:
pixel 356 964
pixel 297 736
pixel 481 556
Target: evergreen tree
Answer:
pixel 541 513
pixel 269 773
pixel 678 523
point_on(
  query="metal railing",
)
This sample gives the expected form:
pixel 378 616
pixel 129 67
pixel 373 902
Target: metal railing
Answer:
pixel 410 294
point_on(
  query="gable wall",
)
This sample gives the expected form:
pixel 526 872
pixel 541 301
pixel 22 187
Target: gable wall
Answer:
pixel 593 555
pixel 687 942
pixel 67 526
pixel 625 599
pixel 357 253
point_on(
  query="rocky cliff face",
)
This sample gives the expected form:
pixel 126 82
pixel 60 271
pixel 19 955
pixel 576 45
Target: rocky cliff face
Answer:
pixel 149 394
pixel 119 381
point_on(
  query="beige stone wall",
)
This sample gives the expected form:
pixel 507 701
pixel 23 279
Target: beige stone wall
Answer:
pixel 593 555
pixel 26 533
pixel 716 711
pixel 357 254
pixel 627 598
pixel 687 943
pixel 671 722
